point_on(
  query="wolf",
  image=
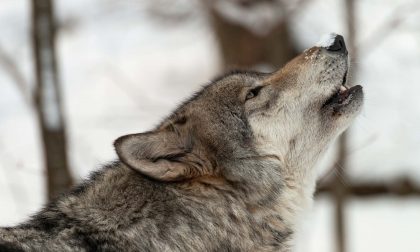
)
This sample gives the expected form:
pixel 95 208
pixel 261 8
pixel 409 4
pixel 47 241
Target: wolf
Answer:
pixel 231 169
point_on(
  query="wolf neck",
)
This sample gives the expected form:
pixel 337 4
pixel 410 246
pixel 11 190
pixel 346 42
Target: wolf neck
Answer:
pixel 297 195
pixel 294 194
pixel 275 195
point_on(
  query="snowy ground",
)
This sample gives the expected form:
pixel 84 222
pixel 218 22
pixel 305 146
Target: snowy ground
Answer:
pixel 122 73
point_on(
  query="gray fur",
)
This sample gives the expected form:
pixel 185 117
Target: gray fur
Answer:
pixel 229 170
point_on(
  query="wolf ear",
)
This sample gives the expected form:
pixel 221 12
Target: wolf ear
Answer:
pixel 158 155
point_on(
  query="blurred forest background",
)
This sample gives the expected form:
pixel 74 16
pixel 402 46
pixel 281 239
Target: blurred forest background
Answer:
pixel 77 74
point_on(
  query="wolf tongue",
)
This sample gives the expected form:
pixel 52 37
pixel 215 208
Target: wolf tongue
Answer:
pixel 343 95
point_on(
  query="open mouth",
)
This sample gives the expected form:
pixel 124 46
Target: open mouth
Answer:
pixel 344 95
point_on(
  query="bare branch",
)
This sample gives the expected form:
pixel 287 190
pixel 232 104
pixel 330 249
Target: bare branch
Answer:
pixel 10 67
pixel 403 186
pixel 396 19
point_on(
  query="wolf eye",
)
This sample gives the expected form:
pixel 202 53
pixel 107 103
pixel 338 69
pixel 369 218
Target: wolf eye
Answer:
pixel 253 92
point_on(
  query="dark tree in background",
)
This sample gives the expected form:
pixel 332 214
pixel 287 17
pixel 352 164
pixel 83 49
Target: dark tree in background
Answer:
pixel 243 46
pixel 340 180
pixel 252 33
pixel 48 104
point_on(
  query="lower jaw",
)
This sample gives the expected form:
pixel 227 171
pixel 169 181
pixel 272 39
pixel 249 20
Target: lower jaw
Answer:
pixel 342 98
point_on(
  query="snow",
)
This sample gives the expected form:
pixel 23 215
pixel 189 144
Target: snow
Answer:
pixel 380 224
pixel 326 40
pixel 121 73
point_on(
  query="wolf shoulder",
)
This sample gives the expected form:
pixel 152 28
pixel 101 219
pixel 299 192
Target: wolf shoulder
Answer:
pixel 118 208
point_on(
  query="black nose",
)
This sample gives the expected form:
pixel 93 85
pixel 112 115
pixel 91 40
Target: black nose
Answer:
pixel 338 46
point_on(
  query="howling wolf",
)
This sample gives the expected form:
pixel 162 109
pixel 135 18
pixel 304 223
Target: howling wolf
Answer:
pixel 231 169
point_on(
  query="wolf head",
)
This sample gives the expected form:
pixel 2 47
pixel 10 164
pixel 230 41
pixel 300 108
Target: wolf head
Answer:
pixel 243 119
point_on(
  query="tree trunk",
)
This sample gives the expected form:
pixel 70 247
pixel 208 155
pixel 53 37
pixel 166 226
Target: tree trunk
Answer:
pixel 242 48
pixel 340 194
pixel 47 98
pixel 340 184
